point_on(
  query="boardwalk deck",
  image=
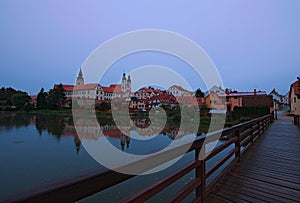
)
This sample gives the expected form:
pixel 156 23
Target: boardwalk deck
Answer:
pixel 268 172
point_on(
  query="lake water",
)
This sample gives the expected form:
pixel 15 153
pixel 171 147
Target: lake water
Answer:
pixel 37 148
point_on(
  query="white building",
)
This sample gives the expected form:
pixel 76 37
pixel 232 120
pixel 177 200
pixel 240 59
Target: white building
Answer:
pixel 95 91
pixel 179 91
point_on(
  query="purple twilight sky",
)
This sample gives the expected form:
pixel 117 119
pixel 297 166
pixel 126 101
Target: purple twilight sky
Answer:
pixel 254 44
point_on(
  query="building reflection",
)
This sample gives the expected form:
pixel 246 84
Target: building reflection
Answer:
pixel 87 129
pixel 125 139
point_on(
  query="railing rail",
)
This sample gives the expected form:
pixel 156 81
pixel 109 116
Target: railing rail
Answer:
pixel 245 135
pixel 242 136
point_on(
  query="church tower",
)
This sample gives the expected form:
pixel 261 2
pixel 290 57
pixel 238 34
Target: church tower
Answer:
pixel 129 84
pixel 80 80
pixel 124 83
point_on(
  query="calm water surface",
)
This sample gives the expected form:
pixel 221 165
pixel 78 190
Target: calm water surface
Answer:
pixel 37 148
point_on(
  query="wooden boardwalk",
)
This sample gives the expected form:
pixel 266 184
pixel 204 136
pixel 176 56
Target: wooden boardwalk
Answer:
pixel 268 172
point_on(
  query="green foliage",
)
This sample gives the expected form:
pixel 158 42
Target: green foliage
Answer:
pixel 42 99
pixel 56 98
pixel 104 106
pixel 10 97
pixel 199 93
pixel 7 93
pixel 250 111
pixel 20 99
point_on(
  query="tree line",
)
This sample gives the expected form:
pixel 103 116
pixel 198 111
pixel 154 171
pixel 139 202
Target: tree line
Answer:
pixel 11 99
pixel 54 99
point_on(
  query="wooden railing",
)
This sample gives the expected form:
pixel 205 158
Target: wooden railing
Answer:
pixel 239 138
pixel 297 120
pixel 242 136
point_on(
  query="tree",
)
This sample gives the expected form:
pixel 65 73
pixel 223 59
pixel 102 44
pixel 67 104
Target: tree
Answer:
pixel 20 99
pixel 56 98
pixel 41 101
pixel 199 93
pixel 104 106
pixel 60 95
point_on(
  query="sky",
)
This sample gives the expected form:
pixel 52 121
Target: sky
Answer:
pixel 254 44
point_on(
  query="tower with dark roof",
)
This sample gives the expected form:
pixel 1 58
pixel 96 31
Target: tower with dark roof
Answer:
pixel 124 83
pixel 129 84
pixel 80 80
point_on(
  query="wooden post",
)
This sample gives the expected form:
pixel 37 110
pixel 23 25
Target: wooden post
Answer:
pixel 251 134
pixel 203 180
pixel 238 145
pixel 197 173
pixel 201 173
pixel 297 120
pixel 259 130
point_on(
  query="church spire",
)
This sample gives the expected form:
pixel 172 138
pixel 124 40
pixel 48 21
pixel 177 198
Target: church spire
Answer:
pixel 80 80
pixel 80 73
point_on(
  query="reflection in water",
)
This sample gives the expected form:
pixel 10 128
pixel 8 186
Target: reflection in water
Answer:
pixel 58 125
pixel 31 157
pixel 15 120
pixel 125 139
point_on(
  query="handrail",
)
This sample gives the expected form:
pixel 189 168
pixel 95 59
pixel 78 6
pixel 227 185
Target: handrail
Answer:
pixel 199 183
pixel 83 186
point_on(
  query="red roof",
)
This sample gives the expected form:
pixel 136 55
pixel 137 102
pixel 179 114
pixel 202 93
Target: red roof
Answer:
pixel 148 90
pixel 33 97
pixel 178 87
pixel 66 87
pixel 163 98
pixel 242 94
pixel 114 88
pixel 86 87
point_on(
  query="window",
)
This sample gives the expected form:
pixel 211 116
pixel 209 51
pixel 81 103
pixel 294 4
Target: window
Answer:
pixel 294 99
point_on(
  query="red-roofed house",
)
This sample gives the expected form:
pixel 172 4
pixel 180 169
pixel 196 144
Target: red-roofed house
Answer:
pixel 294 98
pixel 114 91
pixel 95 91
pixel 234 99
pixel 163 98
pixel 178 91
pixel 68 90
pixel 88 91
pixel 144 93
pixel 33 100
pixel 249 99
pixel 215 98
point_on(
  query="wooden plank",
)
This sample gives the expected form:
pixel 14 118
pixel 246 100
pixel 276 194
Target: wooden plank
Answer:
pixel 233 194
pixel 283 171
pixel 273 181
pixel 272 174
pixel 213 198
pixel 252 192
pixel 269 171
pixel 264 187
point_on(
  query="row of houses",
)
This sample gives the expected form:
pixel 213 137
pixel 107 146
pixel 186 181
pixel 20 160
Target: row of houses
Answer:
pixel 147 97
